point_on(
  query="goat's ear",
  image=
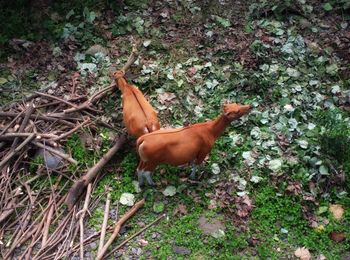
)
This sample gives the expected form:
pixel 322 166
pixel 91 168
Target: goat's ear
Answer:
pixel 226 101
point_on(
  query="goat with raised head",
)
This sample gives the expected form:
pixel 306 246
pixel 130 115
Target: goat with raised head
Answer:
pixel 181 146
pixel 138 115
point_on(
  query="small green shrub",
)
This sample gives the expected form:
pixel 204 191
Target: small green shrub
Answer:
pixel 335 139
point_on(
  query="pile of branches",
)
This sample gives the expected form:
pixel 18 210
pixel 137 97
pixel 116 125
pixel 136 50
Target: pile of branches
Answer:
pixel 45 222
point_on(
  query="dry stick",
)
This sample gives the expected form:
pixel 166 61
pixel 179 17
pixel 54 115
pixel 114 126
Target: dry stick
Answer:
pixel 81 220
pixel 6 213
pixel 91 100
pixel 11 123
pixel 16 150
pixel 40 117
pixel 71 131
pixel 49 214
pixel 36 236
pixel 54 151
pixel 78 187
pixel 65 243
pixel 38 135
pixel 55 236
pixel 89 239
pixel 132 58
pixel 28 113
pixel 30 230
pixel 118 225
pixel 104 224
pixel 135 235
pixel 56 98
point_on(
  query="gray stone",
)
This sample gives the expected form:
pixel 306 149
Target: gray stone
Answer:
pixel 95 49
pixel 213 227
pixel 181 250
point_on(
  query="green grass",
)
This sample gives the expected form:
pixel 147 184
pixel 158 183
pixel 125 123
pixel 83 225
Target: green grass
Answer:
pixel 275 213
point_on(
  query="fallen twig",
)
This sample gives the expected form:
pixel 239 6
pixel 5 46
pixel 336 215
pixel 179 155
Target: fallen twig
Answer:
pixel 78 187
pixel 27 115
pixel 16 150
pixel 45 118
pixel 135 235
pixel 104 224
pixel 11 123
pixel 37 135
pixel 10 208
pixel 71 131
pixel 118 225
pixel 50 213
pixel 81 220
pixel 56 98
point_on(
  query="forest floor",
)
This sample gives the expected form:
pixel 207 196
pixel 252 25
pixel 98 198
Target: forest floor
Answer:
pixel 276 184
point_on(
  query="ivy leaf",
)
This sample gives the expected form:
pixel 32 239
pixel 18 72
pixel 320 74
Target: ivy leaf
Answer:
pixel 332 69
pixel 275 165
pixel 215 169
pixel 3 81
pixel 223 22
pixel 169 191
pixel 255 179
pixel 323 170
pixel 158 207
pixel 327 7
pixel 303 144
pixel 127 199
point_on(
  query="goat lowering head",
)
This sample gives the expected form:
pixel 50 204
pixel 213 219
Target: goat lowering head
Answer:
pixel 181 146
pixel 234 111
pixel 138 115
pixel 119 74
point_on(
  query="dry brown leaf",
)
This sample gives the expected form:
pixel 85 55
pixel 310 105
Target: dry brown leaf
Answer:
pixel 166 97
pixel 337 237
pixel 337 211
pixel 302 253
pixel 180 209
pixel 143 242
pixel 321 257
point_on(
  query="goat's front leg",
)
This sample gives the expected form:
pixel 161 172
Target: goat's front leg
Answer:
pixel 148 177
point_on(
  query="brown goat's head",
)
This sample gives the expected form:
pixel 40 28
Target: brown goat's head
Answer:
pixel 119 74
pixel 234 111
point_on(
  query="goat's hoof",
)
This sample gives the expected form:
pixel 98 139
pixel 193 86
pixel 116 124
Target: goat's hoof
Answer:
pixel 193 176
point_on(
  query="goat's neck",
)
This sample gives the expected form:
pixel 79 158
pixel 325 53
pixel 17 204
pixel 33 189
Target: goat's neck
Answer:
pixel 122 84
pixel 219 125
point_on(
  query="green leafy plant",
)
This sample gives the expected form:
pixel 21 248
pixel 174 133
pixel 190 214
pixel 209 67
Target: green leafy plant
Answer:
pixel 335 138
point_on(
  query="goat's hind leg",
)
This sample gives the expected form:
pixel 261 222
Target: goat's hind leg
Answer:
pixel 147 175
pixel 140 178
pixel 193 171
pixel 144 172
pixel 140 174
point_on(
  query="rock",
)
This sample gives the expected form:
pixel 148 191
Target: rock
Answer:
pixel 181 250
pixel 95 49
pixel 213 227
pixel 118 254
pixel 52 161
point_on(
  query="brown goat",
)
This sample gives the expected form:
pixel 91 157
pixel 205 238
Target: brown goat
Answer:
pixel 138 115
pixel 185 145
